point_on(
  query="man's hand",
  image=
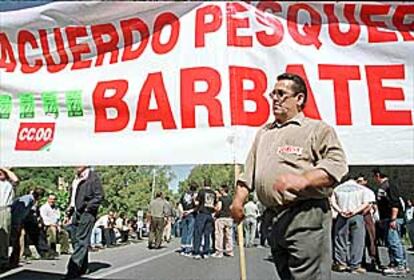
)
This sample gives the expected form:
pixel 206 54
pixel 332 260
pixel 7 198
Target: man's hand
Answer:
pixel 393 224
pixel 236 208
pixel 347 214
pixel 289 182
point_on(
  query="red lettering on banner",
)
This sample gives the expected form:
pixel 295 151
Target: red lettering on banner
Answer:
pixel 154 84
pixel 7 60
pixel 311 30
pixel 374 34
pixel 53 67
pixel 190 98
pixel 235 23
pixel 73 33
pixel 379 94
pixel 341 75
pixel 101 103
pixel 338 37
pixel 310 110
pixel 128 27
pixel 160 22
pixel 238 95
pixel 400 15
pixel 202 27
pixel 25 37
pixel 269 40
pixel 110 46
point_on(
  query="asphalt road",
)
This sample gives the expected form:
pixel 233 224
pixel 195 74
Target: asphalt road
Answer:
pixel 135 261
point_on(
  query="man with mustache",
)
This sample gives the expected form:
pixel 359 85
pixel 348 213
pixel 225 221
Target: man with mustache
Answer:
pixel 292 165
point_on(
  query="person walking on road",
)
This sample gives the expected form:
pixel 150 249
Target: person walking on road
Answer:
pixel 409 218
pixel 188 207
pixel 204 223
pixel 391 212
pixel 223 225
pixel 292 165
pixel 157 213
pixel 251 212
pixel 86 197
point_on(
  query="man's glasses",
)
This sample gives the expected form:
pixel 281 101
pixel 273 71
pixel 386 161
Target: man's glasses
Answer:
pixel 281 95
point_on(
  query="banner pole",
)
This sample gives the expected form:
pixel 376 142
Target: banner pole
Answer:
pixel 242 256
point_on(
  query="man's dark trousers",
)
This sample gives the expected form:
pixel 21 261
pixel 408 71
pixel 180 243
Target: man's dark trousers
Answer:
pixel 83 225
pixel 300 241
pixel 156 229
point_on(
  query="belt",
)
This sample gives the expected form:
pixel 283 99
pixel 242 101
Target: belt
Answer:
pixel 277 212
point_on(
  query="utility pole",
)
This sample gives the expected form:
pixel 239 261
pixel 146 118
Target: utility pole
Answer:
pixel 153 185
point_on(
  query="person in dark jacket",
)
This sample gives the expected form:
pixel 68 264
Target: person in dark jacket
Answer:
pixel 391 213
pixel 86 196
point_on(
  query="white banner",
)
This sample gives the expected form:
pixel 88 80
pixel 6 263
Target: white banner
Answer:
pixel 116 83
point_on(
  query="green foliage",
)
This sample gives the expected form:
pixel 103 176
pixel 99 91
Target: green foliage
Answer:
pixel 219 174
pixel 127 188
pixel 44 177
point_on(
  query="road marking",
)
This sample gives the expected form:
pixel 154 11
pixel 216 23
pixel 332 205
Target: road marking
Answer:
pixel 11 272
pixel 131 265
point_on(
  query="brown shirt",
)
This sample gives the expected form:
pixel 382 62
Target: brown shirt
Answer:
pixel 301 144
pixel 158 208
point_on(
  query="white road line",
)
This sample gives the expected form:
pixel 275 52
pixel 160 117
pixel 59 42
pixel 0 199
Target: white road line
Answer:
pixel 131 265
pixel 11 272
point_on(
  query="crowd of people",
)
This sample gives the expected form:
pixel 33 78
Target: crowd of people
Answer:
pixel 362 222
pixel 23 221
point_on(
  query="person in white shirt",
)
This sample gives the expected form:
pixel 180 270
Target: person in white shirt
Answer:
pixel 409 218
pixel 50 214
pixel 121 224
pixel 251 212
pixel 350 200
pixel 6 199
pixel 97 232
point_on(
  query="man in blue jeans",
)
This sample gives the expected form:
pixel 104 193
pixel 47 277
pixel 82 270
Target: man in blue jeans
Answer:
pixel 390 208
pixel 204 222
pixel 187 205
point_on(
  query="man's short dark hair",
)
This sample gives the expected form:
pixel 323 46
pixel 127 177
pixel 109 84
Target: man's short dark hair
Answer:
pixel 377 171
pixel 207 182
pixel 360 176
pixel 225 188
pixel 38 193
pixel 298 86
pixel 193 186
pixel 159 194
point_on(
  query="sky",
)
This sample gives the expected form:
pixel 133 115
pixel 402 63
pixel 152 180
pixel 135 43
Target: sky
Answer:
pixel 181 173
pixel 14 5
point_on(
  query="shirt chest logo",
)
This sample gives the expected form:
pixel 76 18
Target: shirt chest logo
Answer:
pixel 289 150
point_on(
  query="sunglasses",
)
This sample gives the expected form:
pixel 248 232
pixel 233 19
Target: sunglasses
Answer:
pixel 282 95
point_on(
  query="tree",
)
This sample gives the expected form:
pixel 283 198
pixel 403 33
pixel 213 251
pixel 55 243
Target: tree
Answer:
pixel 44 177
pixel 219 174
pixel 127 188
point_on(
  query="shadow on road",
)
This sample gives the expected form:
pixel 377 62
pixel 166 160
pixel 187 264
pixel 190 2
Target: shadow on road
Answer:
pixel 96 266
pixel 37 275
